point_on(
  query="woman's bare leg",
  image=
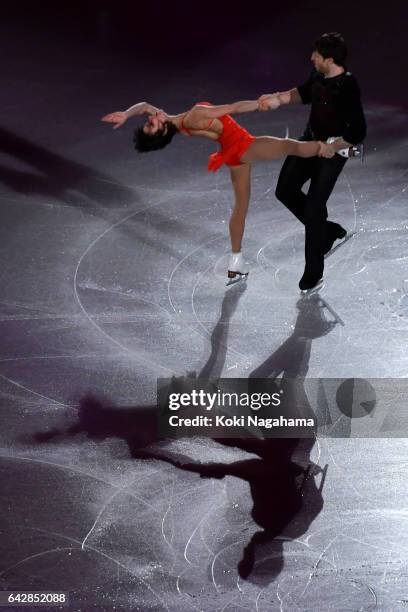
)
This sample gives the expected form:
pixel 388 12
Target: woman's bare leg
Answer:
pixel 241 183
pixel 266 148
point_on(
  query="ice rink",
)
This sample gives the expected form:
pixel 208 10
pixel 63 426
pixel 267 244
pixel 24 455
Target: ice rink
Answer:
pixel 113 274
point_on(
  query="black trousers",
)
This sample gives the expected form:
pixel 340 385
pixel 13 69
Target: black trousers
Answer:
pixel 311 207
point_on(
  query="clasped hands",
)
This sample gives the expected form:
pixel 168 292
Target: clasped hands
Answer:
pixel 270 101
pixel 326 150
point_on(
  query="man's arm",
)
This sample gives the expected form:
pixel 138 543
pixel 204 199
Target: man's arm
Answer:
pixel 291 96
pixel 353 115
pixel 279 98
pixel 302 94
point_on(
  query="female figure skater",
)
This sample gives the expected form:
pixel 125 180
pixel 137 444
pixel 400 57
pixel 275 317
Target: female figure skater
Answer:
pixel 239 149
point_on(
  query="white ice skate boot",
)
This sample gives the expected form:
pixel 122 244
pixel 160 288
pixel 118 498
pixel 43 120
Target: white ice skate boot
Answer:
pixel 237 268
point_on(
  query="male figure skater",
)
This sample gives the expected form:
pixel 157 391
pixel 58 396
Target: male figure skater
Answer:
pixel 336 111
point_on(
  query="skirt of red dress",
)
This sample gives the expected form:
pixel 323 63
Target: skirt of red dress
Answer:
pixel 234 141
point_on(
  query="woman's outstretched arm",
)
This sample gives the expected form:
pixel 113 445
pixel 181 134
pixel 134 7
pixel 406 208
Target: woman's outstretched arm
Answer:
pixel 200 111
pixel 142 108
pixel 120 117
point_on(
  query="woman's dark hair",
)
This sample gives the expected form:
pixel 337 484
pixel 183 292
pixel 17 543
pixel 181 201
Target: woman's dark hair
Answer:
pixel 332 45
pixel 154 142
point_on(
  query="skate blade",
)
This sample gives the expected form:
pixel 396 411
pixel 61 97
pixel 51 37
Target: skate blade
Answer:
pixel 340 244
pixel 315 289
pixel 237 278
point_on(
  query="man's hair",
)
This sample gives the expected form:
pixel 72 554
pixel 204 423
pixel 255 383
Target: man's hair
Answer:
pixel 332 45
pixel 153 142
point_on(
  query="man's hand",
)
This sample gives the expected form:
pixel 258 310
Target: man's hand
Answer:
pixel 118 118
pixel 326 150
pixel 285 97
pixel 269 102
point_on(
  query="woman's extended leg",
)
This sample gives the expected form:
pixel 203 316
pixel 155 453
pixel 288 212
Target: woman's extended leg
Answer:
pixel 266 148
pixel 241 183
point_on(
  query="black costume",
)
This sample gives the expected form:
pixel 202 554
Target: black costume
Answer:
pixel 336 111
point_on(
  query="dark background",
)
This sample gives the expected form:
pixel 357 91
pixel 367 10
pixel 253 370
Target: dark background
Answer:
pixel 255 43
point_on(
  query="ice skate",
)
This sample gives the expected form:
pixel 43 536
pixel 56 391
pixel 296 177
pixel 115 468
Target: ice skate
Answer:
pixel 312 280
pixel 309 288
pixel 237 268
pixel 343 240
pixel 334 232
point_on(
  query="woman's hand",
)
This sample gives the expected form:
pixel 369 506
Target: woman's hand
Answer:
pixel 118 118
pixel 326 150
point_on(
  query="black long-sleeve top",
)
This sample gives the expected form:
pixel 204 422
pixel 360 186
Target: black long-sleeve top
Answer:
pixel 336 107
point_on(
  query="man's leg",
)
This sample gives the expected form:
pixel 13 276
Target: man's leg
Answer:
pixel 334 231
pixel 294 174
pixel 315 216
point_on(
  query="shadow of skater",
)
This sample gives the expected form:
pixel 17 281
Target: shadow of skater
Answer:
pixel 55 176
pixel 281 479
pixel 212 369
pixel 277 488
pixel 77 185
pixel 285 459
pixel 100 420
pixel 138 425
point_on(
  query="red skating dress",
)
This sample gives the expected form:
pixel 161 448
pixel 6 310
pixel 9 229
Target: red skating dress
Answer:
pixel 234 141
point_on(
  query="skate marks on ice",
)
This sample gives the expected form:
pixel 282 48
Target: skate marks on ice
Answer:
pixel 344 559
pixel 381 278
pixel 176 521
pixel 288 555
